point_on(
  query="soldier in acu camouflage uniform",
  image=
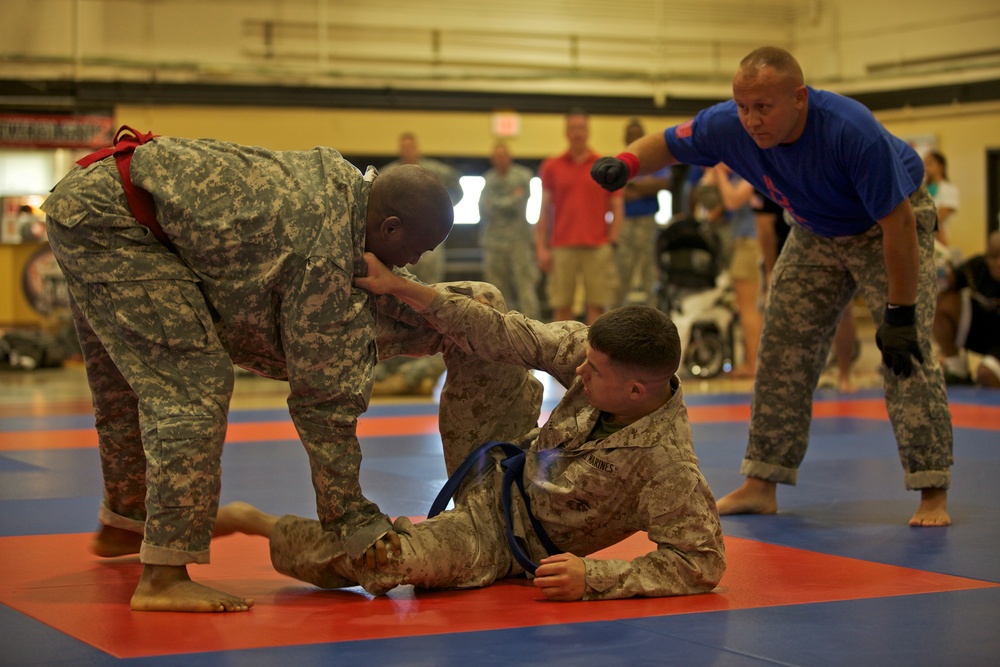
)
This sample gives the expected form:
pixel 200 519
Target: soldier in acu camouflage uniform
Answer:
pixel 505 235
pixel 615 457
pixel 862 222
pixel 263 247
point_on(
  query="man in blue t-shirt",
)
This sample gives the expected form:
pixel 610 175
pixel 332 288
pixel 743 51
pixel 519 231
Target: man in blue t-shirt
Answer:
pixel 862 221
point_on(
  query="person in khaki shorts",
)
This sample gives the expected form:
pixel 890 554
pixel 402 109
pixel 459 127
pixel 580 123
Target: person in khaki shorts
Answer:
pixel 573 240
pixel 744 262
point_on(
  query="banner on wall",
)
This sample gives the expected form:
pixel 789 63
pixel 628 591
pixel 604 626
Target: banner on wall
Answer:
pixel 51 131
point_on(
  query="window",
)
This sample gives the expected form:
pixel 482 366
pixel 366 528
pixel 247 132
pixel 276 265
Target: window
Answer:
pixel 467 210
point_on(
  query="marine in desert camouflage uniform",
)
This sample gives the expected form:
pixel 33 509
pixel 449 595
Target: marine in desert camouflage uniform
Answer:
pixel 615 457
pixel 265 246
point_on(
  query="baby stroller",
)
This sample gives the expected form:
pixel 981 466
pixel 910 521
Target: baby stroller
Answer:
pixel 694 291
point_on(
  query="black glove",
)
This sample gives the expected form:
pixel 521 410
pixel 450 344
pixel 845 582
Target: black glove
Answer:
pixel 610 173
pixel 897 340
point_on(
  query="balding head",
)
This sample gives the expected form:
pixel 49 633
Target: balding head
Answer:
pixel 409 213
pixel 778 61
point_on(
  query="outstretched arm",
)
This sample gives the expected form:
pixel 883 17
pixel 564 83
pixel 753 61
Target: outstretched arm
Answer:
pixel 652 152
pixel 643 156
pixel 555 348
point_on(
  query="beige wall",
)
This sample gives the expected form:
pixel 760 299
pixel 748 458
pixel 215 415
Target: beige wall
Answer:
pixel 372 132
pixel 963 134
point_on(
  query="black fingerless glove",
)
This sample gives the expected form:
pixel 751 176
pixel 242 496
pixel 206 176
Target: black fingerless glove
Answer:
pixel 897 340
pixel 611 173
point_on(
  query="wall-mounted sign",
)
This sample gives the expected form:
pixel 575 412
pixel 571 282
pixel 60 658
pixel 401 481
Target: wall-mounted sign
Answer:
pixel 51 131
pixel 506 124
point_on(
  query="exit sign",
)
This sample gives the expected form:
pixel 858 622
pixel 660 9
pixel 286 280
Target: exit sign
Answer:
pixel 506 124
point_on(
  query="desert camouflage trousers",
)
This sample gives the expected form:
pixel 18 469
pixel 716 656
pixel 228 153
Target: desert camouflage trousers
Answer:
pixel 464 547
pixel 814 279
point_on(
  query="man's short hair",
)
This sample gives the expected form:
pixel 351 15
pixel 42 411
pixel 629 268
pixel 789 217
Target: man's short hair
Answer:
pixel 771 57
pixel 638 336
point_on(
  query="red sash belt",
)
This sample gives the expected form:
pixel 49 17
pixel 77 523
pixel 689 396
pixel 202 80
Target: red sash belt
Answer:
pixel 140 202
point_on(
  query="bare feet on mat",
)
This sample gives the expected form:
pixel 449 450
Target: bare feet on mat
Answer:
pixel 110 542
pixel 168 588
pixel 755 496
pixel 933 510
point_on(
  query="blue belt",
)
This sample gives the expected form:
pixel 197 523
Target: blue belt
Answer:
pixel 513 467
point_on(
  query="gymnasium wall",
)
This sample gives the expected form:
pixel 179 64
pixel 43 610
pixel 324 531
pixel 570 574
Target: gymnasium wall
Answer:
pixel 963 134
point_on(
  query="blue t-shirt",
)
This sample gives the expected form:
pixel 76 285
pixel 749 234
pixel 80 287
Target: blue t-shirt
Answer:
pixel 647 205
pixel 842 175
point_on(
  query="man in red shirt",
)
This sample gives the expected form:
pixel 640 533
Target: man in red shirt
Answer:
pixel 573 238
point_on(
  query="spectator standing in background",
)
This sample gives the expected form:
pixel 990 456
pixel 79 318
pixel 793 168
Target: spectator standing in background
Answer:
pixel 943 192
pixel 431 267
pixel 744 262
pixel 400 376
pixel 573 240
pixel 636 251
pixel 505 235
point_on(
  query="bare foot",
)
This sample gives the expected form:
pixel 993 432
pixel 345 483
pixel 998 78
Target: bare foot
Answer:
pixel 168 588
pixel 110 542
pixel 755 496
pixel 845 385
pixel 241 517
pixel 743 373
pixel 933 510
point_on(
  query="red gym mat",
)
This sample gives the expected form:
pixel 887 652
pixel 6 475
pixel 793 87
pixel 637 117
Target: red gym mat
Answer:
pixel 53 579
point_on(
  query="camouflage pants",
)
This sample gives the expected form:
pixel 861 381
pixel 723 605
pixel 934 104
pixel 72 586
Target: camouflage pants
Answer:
pixel 462 548
pixel 481 400
pixel 160 378
pixel 814 279
pixel 512 268
pixel 636 254
pixel 161 383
